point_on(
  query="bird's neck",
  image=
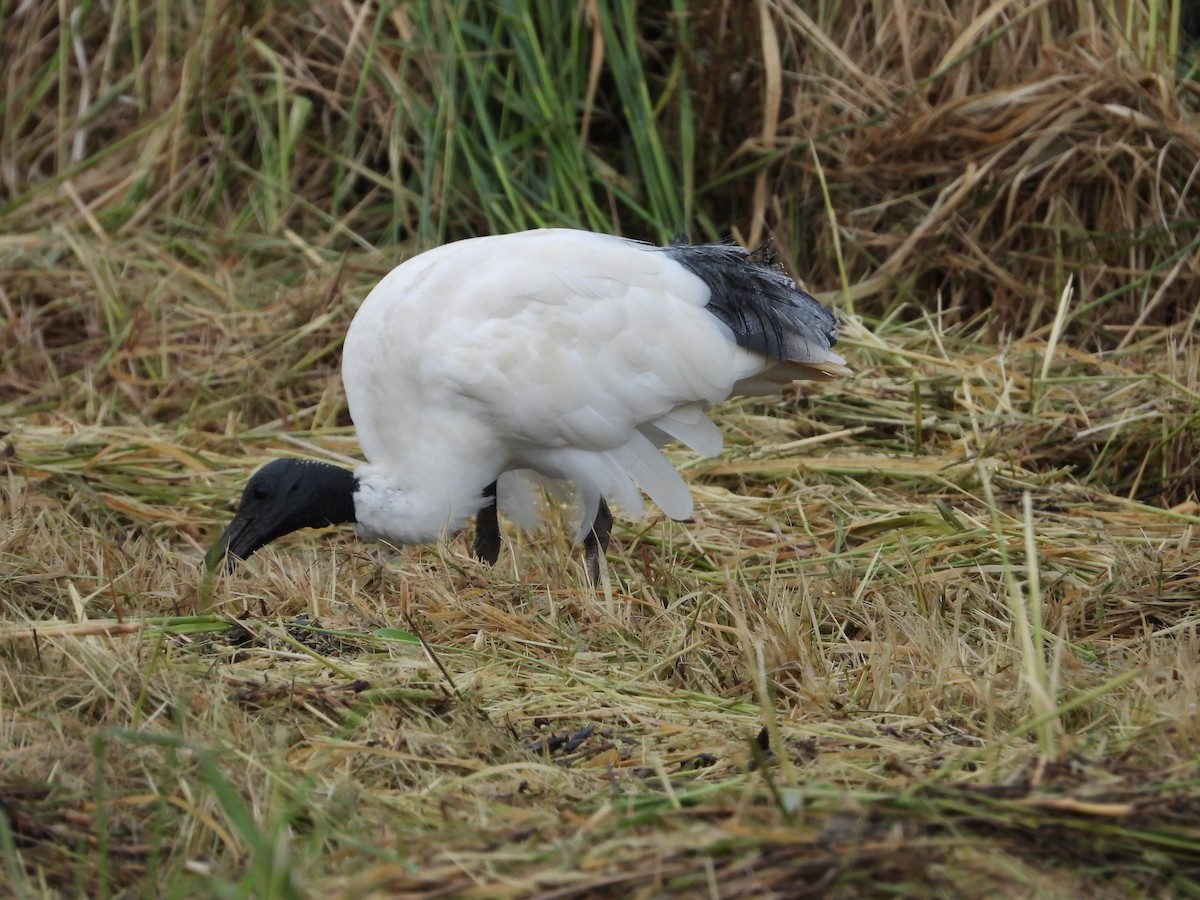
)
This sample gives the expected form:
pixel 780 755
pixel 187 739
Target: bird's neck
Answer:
pixel 332 490
pixel 403 512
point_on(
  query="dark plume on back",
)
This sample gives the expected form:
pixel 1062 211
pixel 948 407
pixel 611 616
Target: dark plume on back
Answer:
pixel 763 307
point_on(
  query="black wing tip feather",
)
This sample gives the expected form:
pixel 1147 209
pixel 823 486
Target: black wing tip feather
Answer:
pixel 767 312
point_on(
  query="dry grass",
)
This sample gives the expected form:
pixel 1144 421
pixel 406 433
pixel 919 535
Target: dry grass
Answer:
pixel 980 152
pixel 932 631
pixel 852 583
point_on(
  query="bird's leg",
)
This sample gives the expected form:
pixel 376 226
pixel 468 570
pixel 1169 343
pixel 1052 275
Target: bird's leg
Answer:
pixel 487 529
pixel 596 541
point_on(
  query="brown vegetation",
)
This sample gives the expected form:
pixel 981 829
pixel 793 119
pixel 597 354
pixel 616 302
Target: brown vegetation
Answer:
pixel 933 629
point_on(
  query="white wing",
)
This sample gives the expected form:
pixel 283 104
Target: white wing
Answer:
pixel 565 352
pixel 594 350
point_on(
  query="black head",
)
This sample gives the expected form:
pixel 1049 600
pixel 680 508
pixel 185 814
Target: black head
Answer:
pixel 284 496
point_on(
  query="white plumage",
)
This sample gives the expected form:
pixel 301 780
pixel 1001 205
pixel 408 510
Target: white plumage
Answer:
pixel 558 354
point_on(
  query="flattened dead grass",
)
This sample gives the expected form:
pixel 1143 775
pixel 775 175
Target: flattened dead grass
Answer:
pixel 822 679
pixel 931 630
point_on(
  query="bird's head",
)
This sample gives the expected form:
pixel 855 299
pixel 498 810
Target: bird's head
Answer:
pixel 284 496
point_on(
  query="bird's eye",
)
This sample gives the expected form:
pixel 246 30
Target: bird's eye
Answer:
pixel 295 487
pixel 259 492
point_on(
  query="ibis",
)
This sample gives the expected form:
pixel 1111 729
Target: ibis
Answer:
pixel 482 368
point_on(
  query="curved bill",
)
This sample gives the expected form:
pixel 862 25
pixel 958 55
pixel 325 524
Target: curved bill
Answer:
pixel 236 542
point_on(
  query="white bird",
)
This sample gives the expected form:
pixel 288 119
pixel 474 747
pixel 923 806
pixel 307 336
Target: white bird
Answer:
pixel 482 366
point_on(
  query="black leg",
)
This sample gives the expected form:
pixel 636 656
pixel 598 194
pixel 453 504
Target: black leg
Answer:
pixel 596 541
pixel 487 529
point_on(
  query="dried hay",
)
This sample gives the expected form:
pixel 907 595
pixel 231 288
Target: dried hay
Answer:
pixel 934 628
